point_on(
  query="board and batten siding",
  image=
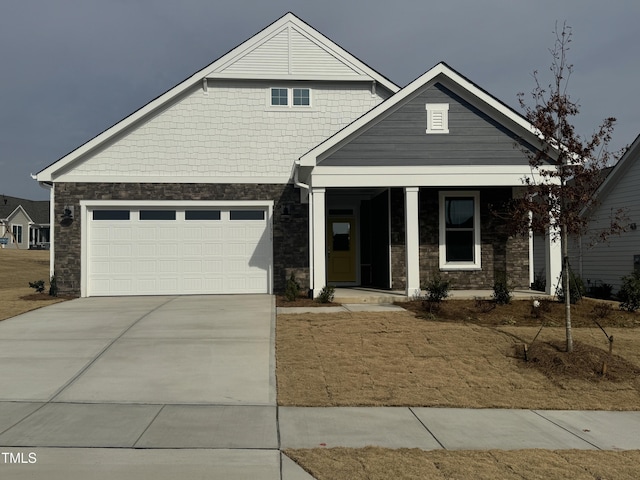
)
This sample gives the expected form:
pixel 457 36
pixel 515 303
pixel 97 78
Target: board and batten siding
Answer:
pixel 231 131
pixel 607 262
pixel 400 138
pixel 291 52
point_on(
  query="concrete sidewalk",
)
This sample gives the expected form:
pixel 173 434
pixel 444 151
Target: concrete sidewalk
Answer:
pixel 457 429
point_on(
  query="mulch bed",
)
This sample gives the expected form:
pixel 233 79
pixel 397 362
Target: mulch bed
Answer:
pixel 584 363
pixel 522 313
pixel 302 302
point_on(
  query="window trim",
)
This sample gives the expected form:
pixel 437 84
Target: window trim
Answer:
pixel 290 104
pixel 16 233
pixel 476 264
pixel 432 109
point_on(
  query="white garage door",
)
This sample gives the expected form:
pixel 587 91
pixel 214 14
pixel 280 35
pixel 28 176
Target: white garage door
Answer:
pixel 166 251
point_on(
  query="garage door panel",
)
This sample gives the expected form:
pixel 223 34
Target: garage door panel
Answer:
pixel 202 255
pixel 191 266
pixel 145 250
pixel 101 233
pixel 213 249
pixel 192 250
pixel 167 250
pixel 145 233
pixel 123 233
pixel 166 266
pixel 121 250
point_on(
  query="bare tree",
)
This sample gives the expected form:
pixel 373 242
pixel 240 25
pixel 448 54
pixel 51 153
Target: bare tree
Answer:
pixel 566 168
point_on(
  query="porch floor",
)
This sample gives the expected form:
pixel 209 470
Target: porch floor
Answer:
pixel 375 296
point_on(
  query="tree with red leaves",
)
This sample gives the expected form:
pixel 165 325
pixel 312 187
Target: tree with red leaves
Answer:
pixel 566 169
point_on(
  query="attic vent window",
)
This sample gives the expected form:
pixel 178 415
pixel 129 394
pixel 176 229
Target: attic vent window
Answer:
pixel 437 117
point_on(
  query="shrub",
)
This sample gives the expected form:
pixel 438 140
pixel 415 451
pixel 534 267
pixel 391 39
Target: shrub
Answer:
pixel 38 285
pixel 501 290
pixel 437 289
pixel 602 310
pixel 292 289
pixel 629 294
pixel 602 291
pixel 576 289
pixel 53 286
pixel 539 282
pixel 326 294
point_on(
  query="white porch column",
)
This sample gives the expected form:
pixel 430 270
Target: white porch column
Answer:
pixel 553 259
pixel 412 239
pixel 319 240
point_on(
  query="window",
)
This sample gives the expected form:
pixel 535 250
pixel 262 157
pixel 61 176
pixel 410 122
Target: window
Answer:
pixel 301 97
pixel 17 233
pixel 290 97
pixel 157 214
pixel 202 215
pixel 246 215
pixel 279 97
pixel 459 230
pixel 111 214
pixel 437 117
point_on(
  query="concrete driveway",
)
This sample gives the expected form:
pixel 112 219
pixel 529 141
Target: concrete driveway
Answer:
pixel 190 374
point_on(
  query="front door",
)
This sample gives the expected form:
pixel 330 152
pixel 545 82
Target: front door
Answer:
pixel 341 249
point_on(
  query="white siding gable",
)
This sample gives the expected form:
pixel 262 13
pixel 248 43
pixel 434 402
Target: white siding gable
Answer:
pixel 228 135
pixel 289 52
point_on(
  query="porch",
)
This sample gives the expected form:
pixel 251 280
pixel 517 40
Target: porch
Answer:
pixel 393 240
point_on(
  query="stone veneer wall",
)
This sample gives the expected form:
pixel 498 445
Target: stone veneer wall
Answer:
pixel 290 236
pixel 500 252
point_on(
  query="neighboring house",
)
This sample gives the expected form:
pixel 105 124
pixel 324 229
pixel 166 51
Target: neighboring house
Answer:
pixel 24 223
pixel 606 262
pixel 289 155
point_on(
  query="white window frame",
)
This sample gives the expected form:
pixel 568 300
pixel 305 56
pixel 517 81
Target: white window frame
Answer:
pixel 434 110
pixel 476 263
pixel 16 237
pixel 289 98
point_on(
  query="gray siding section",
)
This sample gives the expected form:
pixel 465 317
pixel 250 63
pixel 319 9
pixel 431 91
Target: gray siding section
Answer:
pixel 607 262
pixel 401 139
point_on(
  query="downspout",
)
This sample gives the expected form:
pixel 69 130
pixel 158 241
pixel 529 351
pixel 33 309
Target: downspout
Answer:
pixel 299 184
pixel 49 185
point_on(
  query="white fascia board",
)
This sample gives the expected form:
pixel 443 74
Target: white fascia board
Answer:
pixel 431 176
pixel 310 158
pixel 20 208
pixel 48 174
pixel 283 180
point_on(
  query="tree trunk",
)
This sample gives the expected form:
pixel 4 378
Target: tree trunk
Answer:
pixel 566 286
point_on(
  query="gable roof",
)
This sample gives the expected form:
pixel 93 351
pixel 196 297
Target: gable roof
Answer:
pixel 630 156
pixel 36 210
pixel 441 73
pixel 276 40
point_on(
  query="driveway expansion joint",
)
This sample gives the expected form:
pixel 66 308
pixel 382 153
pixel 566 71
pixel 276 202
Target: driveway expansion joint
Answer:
pixel 107 347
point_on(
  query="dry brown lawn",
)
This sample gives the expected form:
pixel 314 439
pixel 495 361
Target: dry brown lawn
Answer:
pixel 17 269
pixel 382 359
pixel 382 464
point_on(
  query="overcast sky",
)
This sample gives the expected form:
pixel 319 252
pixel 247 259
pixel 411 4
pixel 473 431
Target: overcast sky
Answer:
pixel 72 68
